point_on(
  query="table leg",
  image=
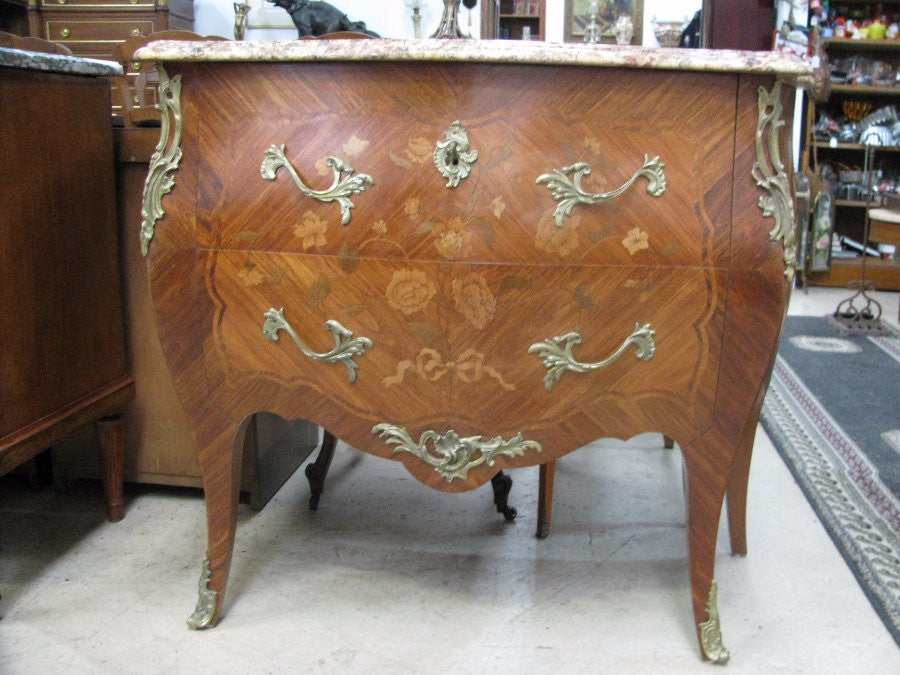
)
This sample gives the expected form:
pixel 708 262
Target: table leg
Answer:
pixel 502 485
pixel 220 464
pixel 110 431
pixel 316 471
pixel 545 498
pixel 704 495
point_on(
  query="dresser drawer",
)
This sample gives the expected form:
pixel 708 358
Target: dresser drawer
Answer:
pixel 604 350
pixel 396 305
pixel 99 5
pixel 83 32
pixel 673 211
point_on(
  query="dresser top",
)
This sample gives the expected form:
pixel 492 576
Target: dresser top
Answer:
pixel 484 51
pixel 57 63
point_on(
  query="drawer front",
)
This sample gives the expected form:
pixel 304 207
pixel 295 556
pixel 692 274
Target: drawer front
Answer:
pixel 503 211
pixel 615 350
pixel 80 31
pixel 395 305
pixel 104 5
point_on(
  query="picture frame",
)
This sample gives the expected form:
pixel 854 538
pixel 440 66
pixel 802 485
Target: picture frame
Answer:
pixel 578 16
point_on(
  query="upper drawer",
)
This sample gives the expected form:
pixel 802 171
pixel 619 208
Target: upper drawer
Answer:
pixel 118 5
pixel 524 123
pixel 81 29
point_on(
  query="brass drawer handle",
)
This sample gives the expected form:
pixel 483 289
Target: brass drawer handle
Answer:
pixel 453 457
pixel 557 352
pixel 135 32
pixel 65 32
pixel 62 2
pixel 452 156
pixel 569 192
pixel 344 349
pixel 338 192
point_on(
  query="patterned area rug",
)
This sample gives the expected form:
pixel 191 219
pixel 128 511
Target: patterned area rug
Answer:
pixel 833 413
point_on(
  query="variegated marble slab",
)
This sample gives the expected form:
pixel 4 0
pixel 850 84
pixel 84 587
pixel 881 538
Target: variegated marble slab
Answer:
pixel 57 63
pixel 490 51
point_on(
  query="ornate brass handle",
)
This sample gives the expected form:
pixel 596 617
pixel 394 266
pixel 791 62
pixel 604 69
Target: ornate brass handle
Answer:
pixel 569 192
pixel 453 457
pixel 345 345
pixel 338 192
pixel 135 32
pixel 557 352
pixel 453 157
pixel 65 32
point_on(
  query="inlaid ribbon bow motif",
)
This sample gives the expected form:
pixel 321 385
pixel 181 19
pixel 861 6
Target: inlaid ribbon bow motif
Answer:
pixel 430 365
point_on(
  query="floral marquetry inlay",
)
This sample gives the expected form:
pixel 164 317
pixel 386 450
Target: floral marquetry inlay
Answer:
pixel 410 291
pixel 636 240
pixel 311 231
pixel 560 240
pixel 452 239
pixel 474 300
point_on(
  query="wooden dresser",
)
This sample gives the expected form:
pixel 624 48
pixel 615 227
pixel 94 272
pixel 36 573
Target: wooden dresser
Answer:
pixel 93 28
pixel 473 256
pixel 62 344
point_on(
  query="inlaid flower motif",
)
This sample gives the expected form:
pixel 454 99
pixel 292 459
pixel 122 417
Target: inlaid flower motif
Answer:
pixel 636 240
pixel 413 207
pixel 419 150
pixel 311 230
pixel 498 206
pixel 561 240
pixel 451 239
pixel 410 291
pixel 594 144
pixel 250 275
pixel 322 167
pixel 474 300
pixel 355 146
pixel 380 227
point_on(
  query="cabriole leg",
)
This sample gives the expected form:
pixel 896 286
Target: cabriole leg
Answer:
pixel 704 494
pixel 220 464
pixel 318 470
pixel 502 485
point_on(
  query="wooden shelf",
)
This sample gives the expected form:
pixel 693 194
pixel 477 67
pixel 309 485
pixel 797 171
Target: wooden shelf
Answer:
pixel 883 273
pixel 874 45
pixel 864 89
pixel 822 145
pixel 856 203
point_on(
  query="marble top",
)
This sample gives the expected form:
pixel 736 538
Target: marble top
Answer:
pixel 57 63
pixel 489 51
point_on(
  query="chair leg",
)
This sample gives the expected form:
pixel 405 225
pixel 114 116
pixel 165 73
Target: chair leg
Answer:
pixel 545 498
pixel 502 485
pixel 111 433
pixel 316 472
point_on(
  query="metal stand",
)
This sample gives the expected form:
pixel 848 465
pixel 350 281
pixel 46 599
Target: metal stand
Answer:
pixel 848 318
pixel 449 28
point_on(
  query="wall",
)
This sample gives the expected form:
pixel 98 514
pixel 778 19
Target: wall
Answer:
pixel 391 18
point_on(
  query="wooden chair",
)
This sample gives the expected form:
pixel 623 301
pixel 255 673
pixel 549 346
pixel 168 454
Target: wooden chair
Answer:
pixel 33 44
pixel 136 89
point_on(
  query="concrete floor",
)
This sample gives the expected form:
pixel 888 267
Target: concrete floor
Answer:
pixel 390 577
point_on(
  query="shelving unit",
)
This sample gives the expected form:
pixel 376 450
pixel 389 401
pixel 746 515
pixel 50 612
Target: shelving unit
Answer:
pixel 507 19
pixel 850 214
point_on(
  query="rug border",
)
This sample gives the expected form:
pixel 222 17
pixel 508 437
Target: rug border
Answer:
pixel 870 580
